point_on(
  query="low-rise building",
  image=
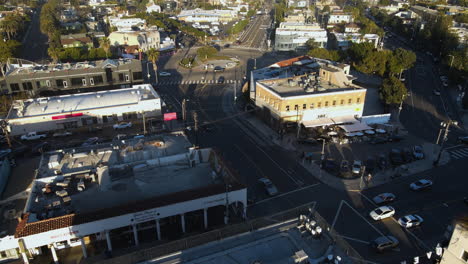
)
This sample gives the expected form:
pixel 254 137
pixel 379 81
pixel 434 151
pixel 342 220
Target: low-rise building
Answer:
pixel 76 41
pixel 343 40
pixel 352 28
pixel 338 16
pixel 306 90
pixel 49 114
pixel 457 250
pixel 200 15
pixel 36 79
pixel 293 36
pixel 298 3
pixel 127 24
pixel 426 14
pixel 152 7
pixel 144 39
pixel 123 190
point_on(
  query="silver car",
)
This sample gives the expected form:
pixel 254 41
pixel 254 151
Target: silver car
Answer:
pixel 269 186
pixel 411 220
pixel 384 198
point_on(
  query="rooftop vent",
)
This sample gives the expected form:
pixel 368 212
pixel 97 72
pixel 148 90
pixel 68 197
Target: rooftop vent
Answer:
pixel 98 95
pixel 292 82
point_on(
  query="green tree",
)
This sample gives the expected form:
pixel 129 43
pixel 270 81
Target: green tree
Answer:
pixel 54 53
pixel 400 59
pixel 311 44
pixel 392 91
pixel 153 56
pixel 206 52
pixel 243 9
pixel 325 54
pixel 11 24
pixel 251 12
pixel 8 49
pixel 105 44
pixel 326 9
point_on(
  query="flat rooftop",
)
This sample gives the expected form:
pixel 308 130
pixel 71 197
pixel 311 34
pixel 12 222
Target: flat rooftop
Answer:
pixel 16 69
pixel 82 102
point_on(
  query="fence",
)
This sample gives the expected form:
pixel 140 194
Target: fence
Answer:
pixel 229 231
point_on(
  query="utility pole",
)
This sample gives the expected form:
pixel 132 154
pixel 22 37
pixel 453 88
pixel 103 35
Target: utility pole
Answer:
pixel 363 168
pixel 446 126
pixel 184 110
pixel 195 120
pixel 144 123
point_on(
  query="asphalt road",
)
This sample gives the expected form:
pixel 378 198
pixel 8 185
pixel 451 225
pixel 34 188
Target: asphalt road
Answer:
pixel 35 44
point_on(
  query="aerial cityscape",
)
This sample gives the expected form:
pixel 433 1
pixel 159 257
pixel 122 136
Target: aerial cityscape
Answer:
pixel 234 131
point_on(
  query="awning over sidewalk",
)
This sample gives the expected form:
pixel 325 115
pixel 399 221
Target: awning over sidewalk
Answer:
pixel 344 119
pixel 318 122
pixel 355 127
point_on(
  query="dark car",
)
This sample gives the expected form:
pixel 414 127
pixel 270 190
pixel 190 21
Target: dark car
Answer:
pixel 330 165
pixel 221 79
pixel 396 157
pixel 227 45
pixel 407 155
pixel 218 69
pixel 384 243
pixel 378 140
pixel 463 140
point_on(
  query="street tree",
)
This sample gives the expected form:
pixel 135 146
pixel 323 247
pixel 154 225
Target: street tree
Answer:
pixel 400 60
pixel 325 54
pixel 312 44
pixel 153 56
pixel 392 91
pixel 326 9
pixel 8 49
pixel 54 53
pixel 105 44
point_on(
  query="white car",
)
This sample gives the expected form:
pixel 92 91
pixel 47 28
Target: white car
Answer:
pixel 411 220
pixel 164 74
pixel 33 136
pixel 269 186
pixel 382 212
pixel 445 84
pixel 436 92
pixel 357 166
pixel 420 185
pixel 123 125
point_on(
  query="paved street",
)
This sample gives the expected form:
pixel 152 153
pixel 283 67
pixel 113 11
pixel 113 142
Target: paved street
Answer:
pixel 35 43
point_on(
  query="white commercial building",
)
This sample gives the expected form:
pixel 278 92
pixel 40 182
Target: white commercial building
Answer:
pixel 337 17
pixel 343 40
pixel 126 24
pixel 78 110
pixel 137 191
pixel 200 15
pixel 293 36
pixel 144 39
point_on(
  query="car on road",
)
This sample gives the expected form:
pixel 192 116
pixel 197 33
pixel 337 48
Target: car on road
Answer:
pixel 122 125
pixel 384 243
pixel 418 152
pixel 269 186
pixel 445 84
pixel 463 140
pixel 164 74
pixel 62 134
pixel 411 220
pixel 218 69
pixel 382 212
pixel 90 142
pixel 436 92
pixel 396 157
pixel 420 185
pixel 384 198
pixel 357 166
pixel 221 79
pixel 33 136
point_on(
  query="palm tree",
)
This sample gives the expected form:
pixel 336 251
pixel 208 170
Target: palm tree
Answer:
pixel 153 56
pixel 105 44
pixel 10 25
pixel 54 54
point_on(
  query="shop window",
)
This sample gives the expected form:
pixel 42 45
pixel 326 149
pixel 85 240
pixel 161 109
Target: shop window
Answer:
pixel 98 79
pixel 59 83
pixel 312 106
pixel 464 256
pixel 304 106
pixel 129 116
pixel 342 102
pixel 76 81
pixel 296 107
pixel 14 87
pixel 350 101
pixel 137 76
pixel 319 104
pixel 326 103
pixel 287 108
pixel 358 100
pixel 121 77
pixel 334 102
pixel 27 86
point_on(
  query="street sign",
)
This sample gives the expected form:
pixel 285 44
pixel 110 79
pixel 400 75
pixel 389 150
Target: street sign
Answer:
pixel 170 116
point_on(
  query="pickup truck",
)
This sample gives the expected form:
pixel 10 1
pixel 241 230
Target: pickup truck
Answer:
pixel 33 136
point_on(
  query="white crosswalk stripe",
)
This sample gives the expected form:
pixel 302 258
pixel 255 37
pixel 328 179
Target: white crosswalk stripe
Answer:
pixel 459 153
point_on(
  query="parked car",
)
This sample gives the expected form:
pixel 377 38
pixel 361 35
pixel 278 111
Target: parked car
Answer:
pixel 382 212
pixel 62 134
pixel 378 140
pixel 418 152
pixel 269 186
pixel 122 125
pixel 384 243
pixel 407 155
pixel 357 166
pixel 421 185
pixel 411 220
pixel 330 166
pixel 164 74
pixel 463 140
pixel 33 136
pixel 218 69
pixel 384 198
pixel 90 142
pixel 436 92
pixel 396 157
pixel 221 79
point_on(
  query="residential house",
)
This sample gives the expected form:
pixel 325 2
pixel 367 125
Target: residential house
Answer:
pixel 291 36
pixel 152 7
pixel 127 24
pixel 352 28
pixel 343 40
pixel 394 6
pixel 337 17
pixel 68 15
pixel 298 3
pixel 451 9
pixel 425 13
pixel 76 41
pixel 461 30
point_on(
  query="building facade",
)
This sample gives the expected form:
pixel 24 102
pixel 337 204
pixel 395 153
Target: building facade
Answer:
pixel 343 40
pixel 457 250
pixel 337 17
pixel 145 39
pixel 35 79
pixel 290 36
pixel 80 110
pixel 200 15
pixel 76 41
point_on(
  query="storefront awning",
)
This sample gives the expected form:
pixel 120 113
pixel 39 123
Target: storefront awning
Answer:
pixel 344 119
pixel 355 127
pixel 318 122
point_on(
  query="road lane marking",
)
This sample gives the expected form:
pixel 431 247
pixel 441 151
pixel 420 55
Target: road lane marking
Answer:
pixel 357 213
pixel 286 193
pixel 355 239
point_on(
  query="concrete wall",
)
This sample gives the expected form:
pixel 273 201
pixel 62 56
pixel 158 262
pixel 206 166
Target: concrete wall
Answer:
pixel 457 246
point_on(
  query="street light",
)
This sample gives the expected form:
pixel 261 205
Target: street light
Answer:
pixel 401 104
pixel 147 70
pixel 446 126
